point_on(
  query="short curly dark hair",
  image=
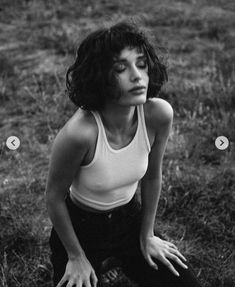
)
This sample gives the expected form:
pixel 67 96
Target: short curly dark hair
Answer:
pixel 91 79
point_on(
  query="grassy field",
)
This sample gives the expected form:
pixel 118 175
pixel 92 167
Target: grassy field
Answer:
pixel 197 206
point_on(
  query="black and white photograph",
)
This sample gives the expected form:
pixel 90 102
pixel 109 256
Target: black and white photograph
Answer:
pixel 117 143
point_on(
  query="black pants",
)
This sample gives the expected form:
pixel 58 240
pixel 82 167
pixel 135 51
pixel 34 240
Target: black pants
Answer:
pixel 116 234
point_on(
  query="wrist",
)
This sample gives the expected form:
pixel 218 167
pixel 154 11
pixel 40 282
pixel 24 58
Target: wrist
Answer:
pixel 146 230
pixel 147 227
pixel 145 235
pixel 75 256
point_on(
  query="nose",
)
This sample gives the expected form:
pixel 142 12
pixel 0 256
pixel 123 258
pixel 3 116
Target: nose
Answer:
pixel 135 74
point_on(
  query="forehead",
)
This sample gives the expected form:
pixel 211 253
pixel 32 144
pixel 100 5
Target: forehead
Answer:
pixel 129 53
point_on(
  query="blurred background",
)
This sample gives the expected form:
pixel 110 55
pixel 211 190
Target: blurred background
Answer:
pixel 38 41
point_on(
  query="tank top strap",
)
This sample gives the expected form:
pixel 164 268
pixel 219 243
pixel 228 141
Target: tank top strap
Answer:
pixel 140 109
pixel 97 119
pixel 99 124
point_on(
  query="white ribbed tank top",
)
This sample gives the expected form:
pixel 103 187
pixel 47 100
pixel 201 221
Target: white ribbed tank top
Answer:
pixel 111 178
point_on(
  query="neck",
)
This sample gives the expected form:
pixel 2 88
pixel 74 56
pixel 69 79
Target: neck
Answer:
pixel 118 118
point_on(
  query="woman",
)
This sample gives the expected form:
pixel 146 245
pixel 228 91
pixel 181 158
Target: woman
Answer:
pixel 114 141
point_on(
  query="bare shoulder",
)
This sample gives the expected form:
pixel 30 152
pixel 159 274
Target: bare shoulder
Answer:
pixel 159 110
pixel 80 128
pixel 158 113
pixel 75 139
pixel 73 142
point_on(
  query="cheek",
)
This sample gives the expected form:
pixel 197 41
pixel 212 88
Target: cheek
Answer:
pixel 116 82
pixel 145 76
pixel 122 82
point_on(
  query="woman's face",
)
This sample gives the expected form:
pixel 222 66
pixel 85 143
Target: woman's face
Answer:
pixel 131 69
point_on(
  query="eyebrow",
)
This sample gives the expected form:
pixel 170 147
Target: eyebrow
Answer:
pixel 140 57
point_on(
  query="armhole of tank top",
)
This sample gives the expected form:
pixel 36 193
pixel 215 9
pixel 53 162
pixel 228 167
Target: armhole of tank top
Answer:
pixel 141 112
pixel 96 145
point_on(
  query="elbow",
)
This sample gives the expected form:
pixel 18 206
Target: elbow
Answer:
pixel 54 197
pixel 53 203
pixel 51 198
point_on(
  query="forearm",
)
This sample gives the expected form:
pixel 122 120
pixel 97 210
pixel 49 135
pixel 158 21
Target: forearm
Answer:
pixel 150 194
pixel 60 218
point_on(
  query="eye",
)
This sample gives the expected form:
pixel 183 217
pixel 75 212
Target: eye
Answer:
pixel 142 64
pixel 119 67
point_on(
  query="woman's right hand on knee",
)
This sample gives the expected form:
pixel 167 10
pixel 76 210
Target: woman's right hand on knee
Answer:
pixel 80 273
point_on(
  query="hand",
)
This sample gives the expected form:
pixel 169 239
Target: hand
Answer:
pixel 162 250
pixel 79 273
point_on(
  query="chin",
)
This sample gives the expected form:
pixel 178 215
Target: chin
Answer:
pixel 134 101
pixel 139 100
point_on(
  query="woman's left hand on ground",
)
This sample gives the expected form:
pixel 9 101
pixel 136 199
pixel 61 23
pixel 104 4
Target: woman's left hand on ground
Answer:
pixel 154 247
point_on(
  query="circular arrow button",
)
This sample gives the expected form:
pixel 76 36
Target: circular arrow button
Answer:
pixel 13 143
pixel 221 142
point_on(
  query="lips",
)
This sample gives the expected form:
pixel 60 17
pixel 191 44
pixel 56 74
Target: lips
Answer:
pixel 138 88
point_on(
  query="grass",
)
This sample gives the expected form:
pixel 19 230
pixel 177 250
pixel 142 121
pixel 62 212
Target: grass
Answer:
pixel 197 204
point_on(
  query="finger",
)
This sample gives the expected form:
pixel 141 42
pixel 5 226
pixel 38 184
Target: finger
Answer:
pixel 175 249
pixel 62 281
pixel 86 283
pixel 70 283
pixel 75 282
pixel 176 252
pixel 108 276
pixel 172 245
pixel 105 280
pixel 177 260
pixel 94 279
pixel 170 266
pixel 112 274
pixel 151 263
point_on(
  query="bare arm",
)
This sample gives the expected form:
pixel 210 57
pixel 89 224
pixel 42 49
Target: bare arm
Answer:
pixel 162 117
pixel 152 246
pixel 68 152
